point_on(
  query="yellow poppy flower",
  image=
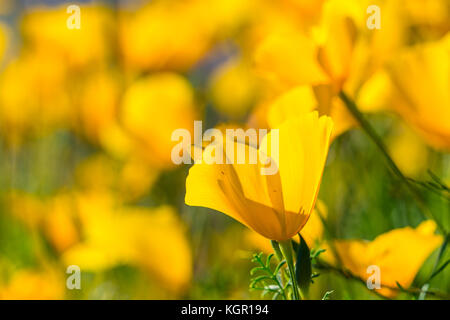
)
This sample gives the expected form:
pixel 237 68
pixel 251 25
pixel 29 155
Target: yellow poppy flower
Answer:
pixel 304 9
pixel 59 222
pixel 33 95
pixel 164 35
pixel 152 239
pixel 276 206
pixel 155 106
pixel 295 57
pixel 432 13
pixel 234 76
pixel 408 150
pixel 421 80
pixel 55 217
pixel 130 178
pixel 46 30
pixel 299 66
pixel 99 101
pixel 303 99
pixel 398 253
pixel 33 285
pixel 335 54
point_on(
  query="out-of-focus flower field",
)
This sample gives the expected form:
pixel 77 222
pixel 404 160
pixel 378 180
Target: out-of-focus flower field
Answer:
pixel 86 121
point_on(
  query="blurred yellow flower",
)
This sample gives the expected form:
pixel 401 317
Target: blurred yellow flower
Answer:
pixel 99 103
pixel 128 179
pixel 33 285
pixel 303 99
pixel 152 239
pixel 55 217
pixel 289 59
pixel 337 53
pixel 276 206
pixel 164 35
pixel 155 106
pixel 33 95
pixel 25 207
pixel 175 35
pixel 376 93
pixel 421 78
pixel 59 222
pixel 233 89
pixel 431 14
pixel 304 9
pixel 46 30
pixel 310 69
pixel 398 253
pixel 408 151
pixel 322 56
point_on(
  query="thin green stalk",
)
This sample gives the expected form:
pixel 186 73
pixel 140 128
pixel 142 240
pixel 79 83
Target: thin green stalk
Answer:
pixel 276 249
pixel 435 266
pixel 286 249
pixel 324 266
pixel 367 127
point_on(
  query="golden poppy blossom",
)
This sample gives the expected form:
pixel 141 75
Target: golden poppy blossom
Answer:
pixel 336 54
pixel 234 76
pixel 46 30
pixel 276 206
pixel 115 234
pixel 33 285
pixel 54 217
pixel 398 253
pixel 421 81
pixel 152 108
pixel 308 67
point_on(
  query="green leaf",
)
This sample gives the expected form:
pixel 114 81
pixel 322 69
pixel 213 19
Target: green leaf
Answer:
pixel 279 266
pixel 295 246
pixel 268 281
pixel 303 268
pixel 327 294
pixel 256 269
pixel 316 253
pixel 260 278
pixel 269 258
pixel 440 269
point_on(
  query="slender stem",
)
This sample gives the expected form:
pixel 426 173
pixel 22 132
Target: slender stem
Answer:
pixel 367 127
pixel 286 249
pixel 432 274
pixel 351 106
pixel 276 249
pixel 322 265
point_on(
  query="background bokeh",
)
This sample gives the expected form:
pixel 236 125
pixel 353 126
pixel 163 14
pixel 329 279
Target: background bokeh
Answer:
pixel 86 118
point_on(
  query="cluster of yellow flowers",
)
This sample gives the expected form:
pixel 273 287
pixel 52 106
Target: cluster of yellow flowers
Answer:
pixel 130 76
pixel 305 67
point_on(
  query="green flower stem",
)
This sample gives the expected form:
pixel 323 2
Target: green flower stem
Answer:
pixel 276 249
pixel 286 249
pixel 367 127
